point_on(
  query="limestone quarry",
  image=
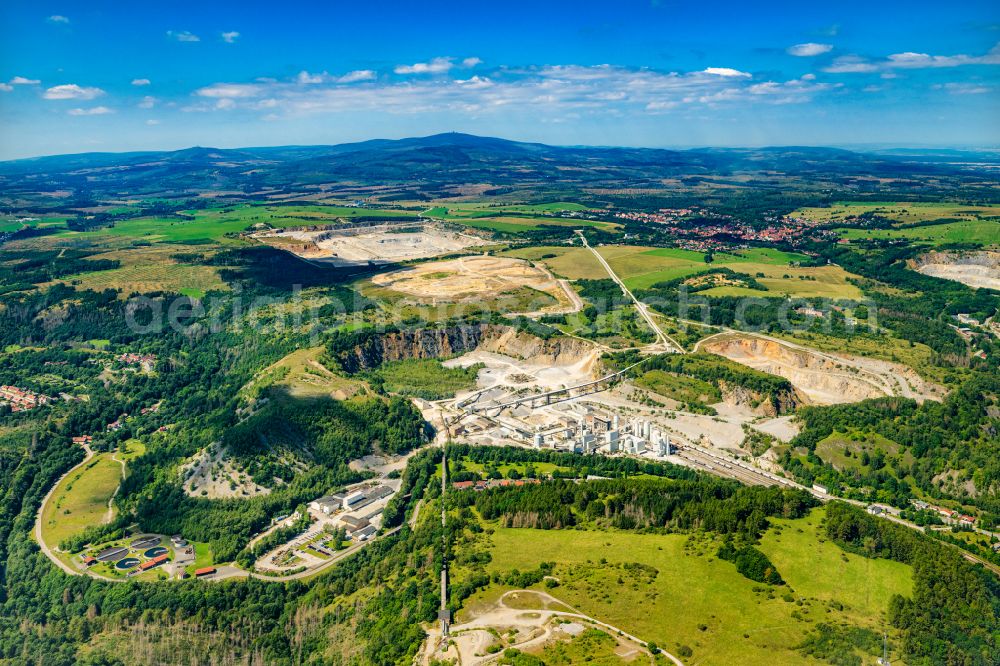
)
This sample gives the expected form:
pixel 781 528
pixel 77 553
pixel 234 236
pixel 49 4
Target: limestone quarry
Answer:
pixel 979 269
pixel 354 246
pixel 821 378
pixel 469 278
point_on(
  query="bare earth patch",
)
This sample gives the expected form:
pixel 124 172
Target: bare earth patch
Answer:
pixel 975 269
pixel 347 248
pixel 821 378
pixel 470 278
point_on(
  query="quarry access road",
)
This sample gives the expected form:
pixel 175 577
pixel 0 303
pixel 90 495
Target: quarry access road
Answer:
pixel 643 309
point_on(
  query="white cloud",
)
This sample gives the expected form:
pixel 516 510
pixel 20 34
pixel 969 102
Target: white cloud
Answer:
pixel 556 89
pixel 147 102
pixel 152 121
pixel 306 78
pixel 435 66
pixel 183 36
pixel 72 91
pixel 850 64
pixel 357 75
pixel 471 62
pixel 964 88
pixel 95 111
pixel 230 37
pixel 21 81
pixel 911 60
pixel 4 87
pixel 140 82
pixel 475 82
pixel 57 18
pixel 230 90
pixel 726 71
pixel 809 49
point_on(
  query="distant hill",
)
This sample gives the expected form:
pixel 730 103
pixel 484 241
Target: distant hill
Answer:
pixel 443 160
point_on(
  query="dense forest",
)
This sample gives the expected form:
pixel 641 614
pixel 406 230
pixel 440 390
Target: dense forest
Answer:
pixel 959 433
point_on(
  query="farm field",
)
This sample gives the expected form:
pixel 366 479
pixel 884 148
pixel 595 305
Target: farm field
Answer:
pixel 81 499
pixel 513 218
pixel 12 223
pixel 642 267
pixel 211 225
pixel 572 263
pixel 744 622
pixel 487 209
pixel 903 212
pixel 985 232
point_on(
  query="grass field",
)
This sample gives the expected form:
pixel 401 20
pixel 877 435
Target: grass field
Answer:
pixel 903 212
pixel 678 387
pixel 816 568
pixel 642 267
pixel 302 375
pixel 211 225
pixel 11 223
pixel 572 263
pixel 426 378
pixel 986 232
pixel 700 601
pixel 834 449
pixel 81 499
pixel 513 218
pixel 542 469
pixel 187 279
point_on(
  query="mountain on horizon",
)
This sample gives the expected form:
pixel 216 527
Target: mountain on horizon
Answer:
pixel 451 159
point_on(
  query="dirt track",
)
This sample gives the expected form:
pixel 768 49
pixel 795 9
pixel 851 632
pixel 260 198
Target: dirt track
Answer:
pixel 472 638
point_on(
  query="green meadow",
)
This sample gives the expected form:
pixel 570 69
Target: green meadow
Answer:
pixel 699 601
pixel 903 212
pixel 81 499
pixel 984 232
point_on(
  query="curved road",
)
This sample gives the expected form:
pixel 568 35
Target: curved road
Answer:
pixel 89 455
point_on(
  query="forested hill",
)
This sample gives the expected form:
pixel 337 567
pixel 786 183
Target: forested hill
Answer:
pixel 460 158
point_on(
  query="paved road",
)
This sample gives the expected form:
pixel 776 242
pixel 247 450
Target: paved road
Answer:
pixel 643 309
pixel 89 454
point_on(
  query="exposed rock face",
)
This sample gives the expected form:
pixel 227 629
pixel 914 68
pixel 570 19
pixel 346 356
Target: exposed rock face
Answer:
pixel 460 339
pixel 822 378
pixel 974 268
pixel 763 404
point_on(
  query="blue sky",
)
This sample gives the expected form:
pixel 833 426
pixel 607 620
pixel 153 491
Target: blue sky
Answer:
pixel 111 76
